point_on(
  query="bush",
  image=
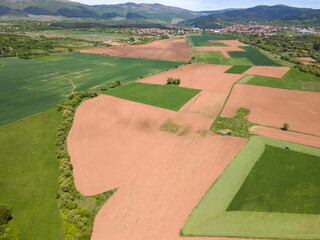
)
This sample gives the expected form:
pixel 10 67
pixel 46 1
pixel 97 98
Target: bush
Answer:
pixel 173 81
pixel 5 214
pixel 117 83
pixel 104 88
pixel 285 126
pixel 84 212
pixel 71 205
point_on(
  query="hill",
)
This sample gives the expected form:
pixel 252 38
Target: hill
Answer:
pixel 117 13
pixel 258 13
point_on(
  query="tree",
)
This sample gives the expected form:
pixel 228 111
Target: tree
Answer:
pixel 117 83
pixel 285 126
pixel 5 214
pixel 104 88
pixel 316 45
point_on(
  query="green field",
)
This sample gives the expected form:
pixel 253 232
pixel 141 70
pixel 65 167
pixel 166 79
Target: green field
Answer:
pixel 284 189
pixel 203 40
pixel 163 96
pixel 33 86
pixel 293 80
pixel 255 56
pixel 238 69
pixel 29 175
pixel 281 181
pixel 218 58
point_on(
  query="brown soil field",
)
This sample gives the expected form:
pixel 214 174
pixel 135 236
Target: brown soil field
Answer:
pixel 277 72
pixel 231 43
pixel 223 50
pixel 307 59
pixel 161 177
pixel 199 76
pixel 168 49
pixel 286 136
pixel 273 107
pixel 211 79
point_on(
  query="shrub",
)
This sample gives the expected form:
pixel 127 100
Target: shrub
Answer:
pixel 71 205
pixel 84 212
pixel 285 126
pixel 104 88
pixel 170 80
pixel 176 81
pixel 64 199
pixel 73 216
pixel 117 83
pixel 173 81
pixel 5 214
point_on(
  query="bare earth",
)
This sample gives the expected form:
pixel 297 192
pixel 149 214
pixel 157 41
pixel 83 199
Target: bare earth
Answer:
pixel 211 79
pixel 287 136
pixel 277 72
pixel 273 107
pixel 169 49
pixel 161 177
pixel 233 45
pixel 307 59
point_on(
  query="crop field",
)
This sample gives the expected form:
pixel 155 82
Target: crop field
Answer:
pixel 201 41
pixel 218 58
pixel 298 192
pixel 238 69
pixel 265 185
pixel 29 175
pixel 250 57
pixel 293 80
pixel 255 56
pixel 33 86
pixel 163 96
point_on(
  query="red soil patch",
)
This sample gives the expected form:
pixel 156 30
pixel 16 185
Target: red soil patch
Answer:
pixel 168 49
pixel 273 107
pixel 277 72
pixel 233 46
pixel 199 76
pixel 161 177
pixel 287 136
pixel 231 43
pixel 307 59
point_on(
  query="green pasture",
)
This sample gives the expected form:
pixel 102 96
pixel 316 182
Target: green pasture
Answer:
pixel 280 180
pixel 250 57
pixel 29 175
pixel 33 86
pixel 217 58
pixel 238 69
pixel 255 56
pixel 203 40
pixel 164 96
pixel 294 79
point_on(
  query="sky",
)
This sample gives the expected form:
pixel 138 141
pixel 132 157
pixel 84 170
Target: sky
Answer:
pixel 200 5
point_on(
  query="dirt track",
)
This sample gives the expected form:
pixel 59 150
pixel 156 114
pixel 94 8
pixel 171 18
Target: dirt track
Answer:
pixel 161 177
pixel 277 72
pixel 273 107
pixel 287 136
pixel 169 49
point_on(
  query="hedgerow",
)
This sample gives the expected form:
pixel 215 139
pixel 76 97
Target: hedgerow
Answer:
pixel 77 211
